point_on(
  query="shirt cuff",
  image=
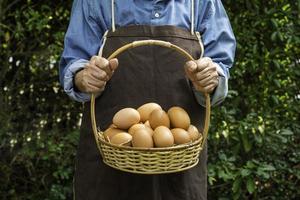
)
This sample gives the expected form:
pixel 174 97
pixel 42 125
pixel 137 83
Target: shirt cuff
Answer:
pixel 220 92
pixel 69 83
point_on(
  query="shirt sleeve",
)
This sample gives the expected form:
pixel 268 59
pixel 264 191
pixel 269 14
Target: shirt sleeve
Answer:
pixel 219 44
pixel 82 41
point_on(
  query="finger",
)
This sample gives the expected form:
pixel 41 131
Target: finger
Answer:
pixel 91 79
pixel 103 64
pixel 211 87
pixel 211 82
pixel 96 84
pixel 98 73
pixel 209 71
pixel 190 67
pixel 93 58
pixel 199 76
pixel 113 64
pixel 93 89
pixel 203 63
pixel 205 81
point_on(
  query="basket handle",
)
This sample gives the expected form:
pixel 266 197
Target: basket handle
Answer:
pixel 156 43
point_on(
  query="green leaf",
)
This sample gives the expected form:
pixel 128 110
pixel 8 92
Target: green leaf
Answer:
pixel 261 129
pixel 267 167
pixel 245 172
pixel 261 173
pixel 258 139
pixel 274 23
pixel 277 83
pixel 246 143
pixel 280 36
pixel 250 185
pixel 286 132
pixel 276 63
pixel 250 165
pixel 211 180
pixel 273 36
pixel 275 99
pixel 236 185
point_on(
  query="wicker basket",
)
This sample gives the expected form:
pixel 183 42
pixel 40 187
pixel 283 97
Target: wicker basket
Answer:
pixel 151 160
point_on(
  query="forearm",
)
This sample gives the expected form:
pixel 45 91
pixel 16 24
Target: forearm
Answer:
pixel 67 81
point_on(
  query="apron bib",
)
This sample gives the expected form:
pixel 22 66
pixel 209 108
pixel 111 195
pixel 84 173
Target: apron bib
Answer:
pixel 145 74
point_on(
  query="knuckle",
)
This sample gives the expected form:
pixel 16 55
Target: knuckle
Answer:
pixel 214 65
pixel 103 74
pixel 198 62
pixel 208 59
pixel 94 58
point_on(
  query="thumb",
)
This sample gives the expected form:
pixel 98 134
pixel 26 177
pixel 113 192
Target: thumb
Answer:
pixel 190 66
pixel 190 69
pixel 113 64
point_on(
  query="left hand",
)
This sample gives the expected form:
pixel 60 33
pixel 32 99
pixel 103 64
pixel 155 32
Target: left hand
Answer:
pixel 203 74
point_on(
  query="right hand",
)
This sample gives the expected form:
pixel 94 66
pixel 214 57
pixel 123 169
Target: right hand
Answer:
pixel 96 73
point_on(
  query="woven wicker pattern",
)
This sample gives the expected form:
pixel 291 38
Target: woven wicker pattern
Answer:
pixel 154 160
pixel 150 161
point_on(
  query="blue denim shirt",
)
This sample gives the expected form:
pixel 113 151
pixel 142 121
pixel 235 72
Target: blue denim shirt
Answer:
pixel 91 18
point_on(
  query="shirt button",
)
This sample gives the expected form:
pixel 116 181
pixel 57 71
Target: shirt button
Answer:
pixel 156 15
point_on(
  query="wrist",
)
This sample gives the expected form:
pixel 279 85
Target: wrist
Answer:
pixel 77 80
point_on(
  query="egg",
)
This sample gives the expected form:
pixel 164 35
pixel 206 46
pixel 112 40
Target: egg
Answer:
pixel 136 127
pixel 163 137
pixel 126 117
pixel 147 123
pixel 142 138
pixel 112 126
pixel 179 118
pixel 181 136
pixel 146 109
pixel 159 117
pixel 193 132
pixel 110 132
pixel 122 139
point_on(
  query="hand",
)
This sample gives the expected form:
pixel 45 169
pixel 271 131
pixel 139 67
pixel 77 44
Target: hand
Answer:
pixel 203 74
pixel 93 78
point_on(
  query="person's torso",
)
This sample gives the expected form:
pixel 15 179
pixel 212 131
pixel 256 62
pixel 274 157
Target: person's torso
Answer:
pixel 147 12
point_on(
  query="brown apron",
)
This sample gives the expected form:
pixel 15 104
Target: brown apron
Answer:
pixel 145 74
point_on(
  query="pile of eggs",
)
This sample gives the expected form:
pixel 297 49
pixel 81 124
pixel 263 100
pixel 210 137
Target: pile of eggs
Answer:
pixel 150 126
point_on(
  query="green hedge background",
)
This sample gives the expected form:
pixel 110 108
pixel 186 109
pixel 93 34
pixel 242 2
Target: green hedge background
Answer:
pixel 254 143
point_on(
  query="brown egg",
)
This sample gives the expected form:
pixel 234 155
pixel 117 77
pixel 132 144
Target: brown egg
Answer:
pixel 163 137
pixel 136 127
pixel 149 130
pixel 110 132
pixel 112 126
pixel 146 109
pixel 181 136
pixel 159 117
pixel 193 132
pixel 122 139
pixel 147 123
pixel 142 138
pixel 126 117
pixel 179 118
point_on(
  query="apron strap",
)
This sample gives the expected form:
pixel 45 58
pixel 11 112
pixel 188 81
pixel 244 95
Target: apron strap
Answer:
pixel 113 26
pixel 103 43
pixel 192 16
